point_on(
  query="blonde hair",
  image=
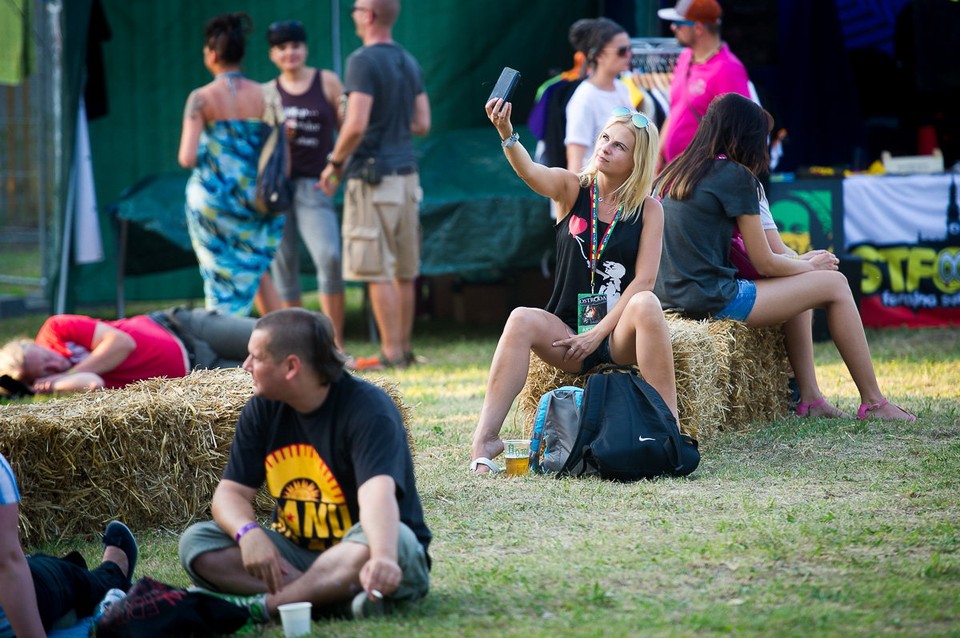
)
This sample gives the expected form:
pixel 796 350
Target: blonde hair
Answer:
pixel 12 356
pixel 640 182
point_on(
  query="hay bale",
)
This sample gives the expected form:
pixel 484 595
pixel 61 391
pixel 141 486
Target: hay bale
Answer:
pixel 701 371
pixel 729 377
pixel 758 373
pixel 150 454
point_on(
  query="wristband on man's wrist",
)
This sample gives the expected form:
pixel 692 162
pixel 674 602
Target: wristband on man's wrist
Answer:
pixel 243 530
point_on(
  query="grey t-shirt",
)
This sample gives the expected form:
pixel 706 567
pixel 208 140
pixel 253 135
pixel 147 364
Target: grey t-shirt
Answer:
pixel 392 77
pixel 696 277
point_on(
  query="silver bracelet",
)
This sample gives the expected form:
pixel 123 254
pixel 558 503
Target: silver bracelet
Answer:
pixel 510 141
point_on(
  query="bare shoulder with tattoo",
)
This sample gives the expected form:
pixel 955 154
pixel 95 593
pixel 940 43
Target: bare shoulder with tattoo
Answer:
pixel 195 105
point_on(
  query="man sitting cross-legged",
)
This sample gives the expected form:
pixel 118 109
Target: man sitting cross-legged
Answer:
pixel 348 525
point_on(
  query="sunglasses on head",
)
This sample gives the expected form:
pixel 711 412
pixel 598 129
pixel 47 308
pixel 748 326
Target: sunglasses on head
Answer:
pixel 639 119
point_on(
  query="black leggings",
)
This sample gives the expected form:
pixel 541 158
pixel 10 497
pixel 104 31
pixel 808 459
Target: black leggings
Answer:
pixel 65 584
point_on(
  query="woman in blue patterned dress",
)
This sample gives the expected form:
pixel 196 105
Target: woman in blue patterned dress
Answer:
pixel 223 133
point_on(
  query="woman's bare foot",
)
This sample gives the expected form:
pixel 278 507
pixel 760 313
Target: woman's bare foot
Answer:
pixel 821 409
pixel 120 547
pixel 485 450
pixel 883 411
pixel 116 555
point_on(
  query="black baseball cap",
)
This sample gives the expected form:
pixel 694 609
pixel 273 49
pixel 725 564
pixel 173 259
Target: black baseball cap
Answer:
pixel 286 31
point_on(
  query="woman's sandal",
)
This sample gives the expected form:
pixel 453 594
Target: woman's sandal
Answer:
pixel 803 410
pixel 863 413
pixel 482 460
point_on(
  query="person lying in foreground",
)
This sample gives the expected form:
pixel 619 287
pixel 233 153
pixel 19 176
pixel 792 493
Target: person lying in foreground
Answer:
pixel 37 591
pixel 76 352
pixel 608 249
pixel 711 189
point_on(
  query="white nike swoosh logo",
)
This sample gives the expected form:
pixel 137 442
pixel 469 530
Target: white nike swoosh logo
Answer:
pixel 643 439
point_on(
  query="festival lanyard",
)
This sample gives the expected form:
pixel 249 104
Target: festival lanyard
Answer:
pixel 597 250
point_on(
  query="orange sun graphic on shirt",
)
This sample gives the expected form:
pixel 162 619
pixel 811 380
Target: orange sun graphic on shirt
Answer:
pixel 301 491
pixel 298 473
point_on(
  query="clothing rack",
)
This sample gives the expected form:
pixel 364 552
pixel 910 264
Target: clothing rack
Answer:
pixel 650 55
pixel 653 60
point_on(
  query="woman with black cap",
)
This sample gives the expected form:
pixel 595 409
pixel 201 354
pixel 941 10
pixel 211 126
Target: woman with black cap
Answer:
pixel 310 100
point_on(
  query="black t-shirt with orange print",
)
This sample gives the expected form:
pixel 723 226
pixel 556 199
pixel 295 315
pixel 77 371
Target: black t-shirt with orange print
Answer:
pixel 314 463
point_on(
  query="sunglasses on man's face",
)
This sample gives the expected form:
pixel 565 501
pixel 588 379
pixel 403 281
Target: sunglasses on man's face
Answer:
pixel 682 23
pixel 639 119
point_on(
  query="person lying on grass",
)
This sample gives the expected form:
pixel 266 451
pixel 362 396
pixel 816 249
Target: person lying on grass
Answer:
pixel 38 591
pixel 77 352
pixel 608 249
pixel 348 533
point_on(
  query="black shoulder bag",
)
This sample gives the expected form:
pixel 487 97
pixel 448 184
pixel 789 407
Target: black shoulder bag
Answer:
pixel 275 190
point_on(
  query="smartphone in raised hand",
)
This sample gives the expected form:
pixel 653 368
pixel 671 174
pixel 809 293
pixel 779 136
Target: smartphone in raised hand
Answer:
pixel 505 85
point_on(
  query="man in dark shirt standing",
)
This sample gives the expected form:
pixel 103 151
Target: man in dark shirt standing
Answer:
pixel 387 105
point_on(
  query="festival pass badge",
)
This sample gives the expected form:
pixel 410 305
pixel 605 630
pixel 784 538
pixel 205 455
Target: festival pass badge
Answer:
pixel 591 309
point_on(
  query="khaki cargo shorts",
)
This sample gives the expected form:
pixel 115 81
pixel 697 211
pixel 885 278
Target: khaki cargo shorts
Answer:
pixel 381 229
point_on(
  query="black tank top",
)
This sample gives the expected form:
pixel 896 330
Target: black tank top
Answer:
pixel 315 121
pixel 615 269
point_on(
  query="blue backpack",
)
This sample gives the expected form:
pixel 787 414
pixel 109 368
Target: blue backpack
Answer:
pixel 555 428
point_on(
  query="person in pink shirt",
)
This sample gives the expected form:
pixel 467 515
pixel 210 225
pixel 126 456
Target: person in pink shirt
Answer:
pixel 76 352
pixel 705 69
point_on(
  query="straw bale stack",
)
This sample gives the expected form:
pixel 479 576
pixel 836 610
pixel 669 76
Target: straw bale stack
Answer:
pixel 150 454
pixel 729 377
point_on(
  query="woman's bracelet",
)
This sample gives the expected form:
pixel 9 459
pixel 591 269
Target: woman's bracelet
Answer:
pixel 243 530
pixel 510 141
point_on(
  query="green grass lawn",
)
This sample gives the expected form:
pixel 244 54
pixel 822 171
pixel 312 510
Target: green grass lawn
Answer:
pixel 797 528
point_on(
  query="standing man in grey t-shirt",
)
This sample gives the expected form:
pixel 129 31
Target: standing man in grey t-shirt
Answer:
pixel 387 105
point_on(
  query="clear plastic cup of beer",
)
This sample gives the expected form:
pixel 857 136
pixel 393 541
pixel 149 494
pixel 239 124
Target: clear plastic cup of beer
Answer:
pixel 517 454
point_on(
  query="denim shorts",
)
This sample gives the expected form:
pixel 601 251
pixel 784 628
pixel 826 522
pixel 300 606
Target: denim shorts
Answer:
pixel 739 309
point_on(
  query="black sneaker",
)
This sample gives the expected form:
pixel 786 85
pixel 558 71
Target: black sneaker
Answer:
pixel 119 535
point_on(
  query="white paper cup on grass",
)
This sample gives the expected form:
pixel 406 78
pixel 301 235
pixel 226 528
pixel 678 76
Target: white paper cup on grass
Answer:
pixel 296 619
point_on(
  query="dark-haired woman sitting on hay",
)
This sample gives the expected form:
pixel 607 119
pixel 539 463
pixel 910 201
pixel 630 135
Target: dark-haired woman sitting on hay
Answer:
pixel 710 190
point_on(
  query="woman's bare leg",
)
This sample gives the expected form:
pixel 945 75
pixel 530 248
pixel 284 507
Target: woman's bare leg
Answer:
pixel 798 339
pixel 332 305
pixel 526 329
pixel 782 298
pixel 267 298
pixel 642 337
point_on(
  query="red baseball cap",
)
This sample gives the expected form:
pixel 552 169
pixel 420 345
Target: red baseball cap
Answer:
pixel 706 11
